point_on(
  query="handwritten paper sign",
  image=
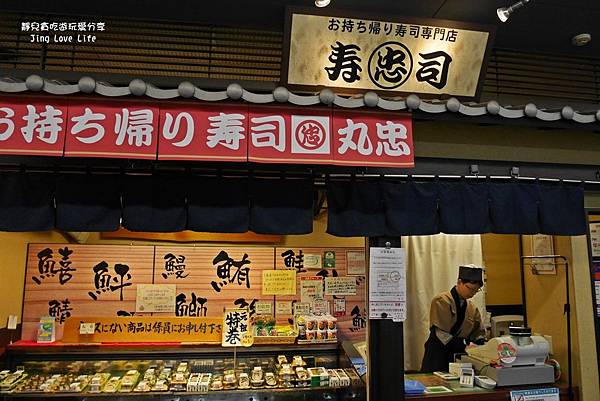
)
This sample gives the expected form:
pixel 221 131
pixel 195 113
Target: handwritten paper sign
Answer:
pixel 279 282
pixel 311 288
pixel 355 263
pixel 340 286
pixel 301 308
pixel 283 307
pixel 155 298
pixel 236 330
pixel 264 308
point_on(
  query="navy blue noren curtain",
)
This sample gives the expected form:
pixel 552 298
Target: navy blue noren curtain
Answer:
pixel 561 209
pixel 154 203
pixel 355 206
pixel 218 205
pixel 411 208
pixel 514 208
pixel 27 201
pixel 464 208
pixel 88 202
pixel 281 206
pixel 385 207
pixel 394 208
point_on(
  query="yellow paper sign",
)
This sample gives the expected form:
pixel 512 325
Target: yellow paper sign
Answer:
pixel 279 282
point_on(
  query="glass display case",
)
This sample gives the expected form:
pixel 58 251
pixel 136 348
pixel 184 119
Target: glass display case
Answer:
pixel 193 373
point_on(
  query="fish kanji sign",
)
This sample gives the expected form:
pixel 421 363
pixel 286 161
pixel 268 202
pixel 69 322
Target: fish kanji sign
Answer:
pixel 205 132
pixel 396 54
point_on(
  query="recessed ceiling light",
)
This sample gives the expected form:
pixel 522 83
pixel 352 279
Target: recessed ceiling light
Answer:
pixel 322 3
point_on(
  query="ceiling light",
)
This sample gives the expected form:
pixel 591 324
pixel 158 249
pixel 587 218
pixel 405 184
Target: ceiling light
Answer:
pixel 505 12
pixel 582 39
pixel 322 3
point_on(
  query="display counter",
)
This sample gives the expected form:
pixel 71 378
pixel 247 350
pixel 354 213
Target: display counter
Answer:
pixel 458 393
pixel 176 371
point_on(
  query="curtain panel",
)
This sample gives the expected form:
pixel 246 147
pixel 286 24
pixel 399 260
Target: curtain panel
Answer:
pixel 397 208
pixel 284 206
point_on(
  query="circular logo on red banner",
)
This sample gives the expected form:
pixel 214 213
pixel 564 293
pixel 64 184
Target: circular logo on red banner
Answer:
pixel 310 134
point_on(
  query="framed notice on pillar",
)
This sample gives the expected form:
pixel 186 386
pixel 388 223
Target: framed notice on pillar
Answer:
pixel 358 52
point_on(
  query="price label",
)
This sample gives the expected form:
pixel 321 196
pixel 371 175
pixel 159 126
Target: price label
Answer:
pixel 264 308
pixel 86 328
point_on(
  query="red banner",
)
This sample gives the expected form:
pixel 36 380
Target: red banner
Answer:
pixel 203 132
pixel 286 135
pixel 32 127
pixel 112 130
pixel 373 139
pixel 206 132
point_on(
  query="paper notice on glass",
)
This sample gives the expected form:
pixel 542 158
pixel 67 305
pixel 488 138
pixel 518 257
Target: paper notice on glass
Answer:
pixel 155 298
pixel 311 288
pixel 340 285
pixel 595 238
pixel 388 276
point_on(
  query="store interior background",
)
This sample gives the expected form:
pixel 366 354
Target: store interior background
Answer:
pixel 500 253
pixel 545 294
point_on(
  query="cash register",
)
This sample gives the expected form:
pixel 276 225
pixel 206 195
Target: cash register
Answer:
pixel 516 359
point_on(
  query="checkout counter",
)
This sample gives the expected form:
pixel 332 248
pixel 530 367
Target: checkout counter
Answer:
pixel 514 362
pixel 517 359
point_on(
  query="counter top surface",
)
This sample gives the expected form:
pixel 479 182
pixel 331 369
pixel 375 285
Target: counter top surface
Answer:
pixel 467 393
